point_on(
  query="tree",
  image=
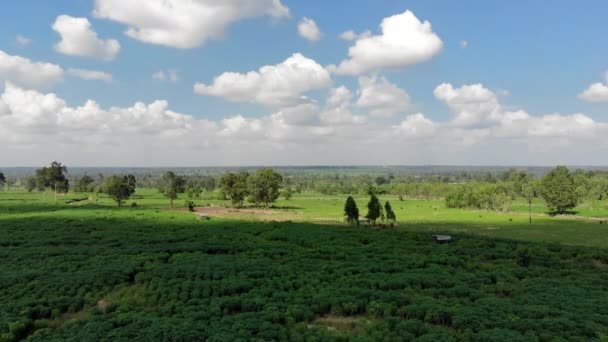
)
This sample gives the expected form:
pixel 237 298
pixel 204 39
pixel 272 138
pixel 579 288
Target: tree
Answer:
pixel 558 190
pixel 351 211
pixel 234 187
pixel 172 185
pixel 29 183
pixel 264 186
pixel 119 188
pixel 374 208
pixel 288 193
pixel 390 214
pixel 2 180
pixel 53 177
pixel 84 184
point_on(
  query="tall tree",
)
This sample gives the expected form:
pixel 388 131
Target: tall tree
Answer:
pixel 2 180
pixel 172 185
pixel 558 190
pixel 118 188
pixel 374 208
pixel 53 177
pixel 264 186
pixel 351 211
pixel 84 184
pixel 390 214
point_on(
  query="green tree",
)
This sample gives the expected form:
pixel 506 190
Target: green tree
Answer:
pixel 2 180
pixel 558 190
pixel 288 193
pixel 29 183
pixel 351 211
pixel 390 214
pixel 234 187
pixel 264 186
pixel 84 184
pixel 172 185
pixel 118 188
pixel 52 177
pixel 374 208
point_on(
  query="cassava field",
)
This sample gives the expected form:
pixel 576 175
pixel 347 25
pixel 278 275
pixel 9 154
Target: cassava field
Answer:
pixel 81 269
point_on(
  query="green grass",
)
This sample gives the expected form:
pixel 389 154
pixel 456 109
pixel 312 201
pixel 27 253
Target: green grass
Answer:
pixel 90 271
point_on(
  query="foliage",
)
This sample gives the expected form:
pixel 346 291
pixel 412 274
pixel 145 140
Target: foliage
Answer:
pixel 29 183
pixel 374 209
pixel 288 193
pixel 119 188
pixel 479 196
pixel 93 273
pixel 84 184
pixel 53 177
pixel 351 212
pixel 2 179
pixel 558 189
pixel 172 185
pixel 234 186
pixel 390 214
pixel 263 186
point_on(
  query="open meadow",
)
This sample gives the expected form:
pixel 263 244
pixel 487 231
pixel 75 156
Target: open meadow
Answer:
pixel 80 268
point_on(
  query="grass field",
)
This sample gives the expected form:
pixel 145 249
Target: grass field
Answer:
pixel 82 269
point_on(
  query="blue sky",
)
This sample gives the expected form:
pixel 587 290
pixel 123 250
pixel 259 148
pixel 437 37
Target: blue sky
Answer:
pixel 535 56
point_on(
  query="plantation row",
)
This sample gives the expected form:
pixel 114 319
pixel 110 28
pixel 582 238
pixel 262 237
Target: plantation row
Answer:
pixel 119 275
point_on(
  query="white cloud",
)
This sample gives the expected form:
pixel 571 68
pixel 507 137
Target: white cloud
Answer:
pixel 90 75
pixel 415 126
pixel 308 29
pixel 280 84
pixel 79 39
pixel 348 35
pixel 23 40
pixel 381 97
pixel 183 24
pixel 464 44
pixel 471 105
pixel 24 72
pixel 35 127
pixel 170 75
pixel 597 92
pixel 404 41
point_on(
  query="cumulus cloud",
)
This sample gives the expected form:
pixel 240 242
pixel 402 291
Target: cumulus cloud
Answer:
pixel 35 126
pixel 471 104
pixel 308 29
pixel 183 24
pixel 90 75
pixel 597 92
pixel 477 108
pixel 415 126
pixel 280 84
pixel 169 75
pixel 404 41
pixel 382 98
pixel 24 72
pixel 79 39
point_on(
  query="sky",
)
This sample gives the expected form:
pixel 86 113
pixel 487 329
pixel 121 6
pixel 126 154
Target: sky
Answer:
pixel 285 82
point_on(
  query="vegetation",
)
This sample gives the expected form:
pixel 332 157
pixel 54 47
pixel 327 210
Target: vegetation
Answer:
pixel 558 190
pixel 263 186
pixel 53 177
pixel 374 209
pixel 119 188
pixel 151 274
pixel 390 214
pixel 172 186
pixel 80 268
pixel 351 212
